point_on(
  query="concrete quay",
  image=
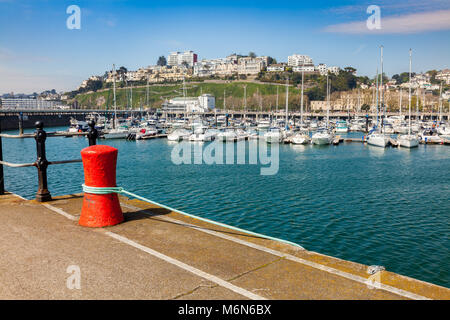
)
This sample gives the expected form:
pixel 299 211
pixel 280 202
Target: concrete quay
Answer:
pixel 157 254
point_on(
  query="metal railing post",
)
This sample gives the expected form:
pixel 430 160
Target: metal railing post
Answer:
pixel 40 136
pixel 2 183
pixel 93 134
pixel 21 123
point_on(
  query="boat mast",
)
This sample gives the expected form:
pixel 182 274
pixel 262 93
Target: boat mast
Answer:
pixel 277 98
pixel 376 81
pixel 409 98
pixel 440 103
pixel 417 103
pixel 184 98
pixel 382 92
pixel 131 96
pixel 147 93
pixel 400 102
pixel 301 99
pixel 224 101
pixel 245 101
pixel 114 96
pixel 328 103
pixel 287 102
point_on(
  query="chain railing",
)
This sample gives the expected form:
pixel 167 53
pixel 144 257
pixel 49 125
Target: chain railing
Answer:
pixel 41 163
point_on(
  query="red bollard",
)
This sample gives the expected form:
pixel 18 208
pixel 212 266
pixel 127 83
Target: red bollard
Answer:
pixel 100 210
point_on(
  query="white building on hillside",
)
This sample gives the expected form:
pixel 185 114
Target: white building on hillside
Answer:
pixel 444 75
pixel 322 68
pixel 276 67
pixel 297 60
pixel 334 70
pixel 304 69
pixel 252 66
pixel 180 58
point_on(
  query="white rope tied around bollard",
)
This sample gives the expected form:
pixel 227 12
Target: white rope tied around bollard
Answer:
pixel 120 190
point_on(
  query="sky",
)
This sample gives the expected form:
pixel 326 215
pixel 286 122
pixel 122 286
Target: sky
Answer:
pixel 38 52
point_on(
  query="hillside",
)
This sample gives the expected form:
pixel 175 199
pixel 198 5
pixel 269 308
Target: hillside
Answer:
pixel 159 93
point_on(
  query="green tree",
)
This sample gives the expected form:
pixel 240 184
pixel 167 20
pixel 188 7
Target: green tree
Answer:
pixel 161 61
pixel 251 54
pixel 271 60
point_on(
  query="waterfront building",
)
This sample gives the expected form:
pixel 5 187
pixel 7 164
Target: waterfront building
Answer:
pixel 30 104
pixel 318 105
pixel 202 103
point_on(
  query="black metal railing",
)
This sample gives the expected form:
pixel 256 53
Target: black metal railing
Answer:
pixel 41 163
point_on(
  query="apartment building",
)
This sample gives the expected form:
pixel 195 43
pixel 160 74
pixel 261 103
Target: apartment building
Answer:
pixel 180 58
pixel 444 75
pixel 29 104
pixel 280 67
pixel 307 69
pixel 252 66
pixel 297 60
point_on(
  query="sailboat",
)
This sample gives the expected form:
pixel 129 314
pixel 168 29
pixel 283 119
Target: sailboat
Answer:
pixel 274 134
pixel 116 132
pixel 409 140
pixel 377 137
pixel 324 136
pixel 302 137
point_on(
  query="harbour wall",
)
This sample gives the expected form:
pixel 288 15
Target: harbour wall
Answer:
pixel 11 122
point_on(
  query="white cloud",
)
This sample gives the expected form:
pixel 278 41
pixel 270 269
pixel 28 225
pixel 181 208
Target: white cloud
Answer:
pixel 409 23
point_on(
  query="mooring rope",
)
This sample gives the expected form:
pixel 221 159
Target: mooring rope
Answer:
pixel 120 190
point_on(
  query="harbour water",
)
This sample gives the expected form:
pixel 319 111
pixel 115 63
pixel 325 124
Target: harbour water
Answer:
pixel 366 204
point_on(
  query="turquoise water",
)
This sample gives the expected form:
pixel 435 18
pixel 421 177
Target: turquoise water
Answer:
pixel 370 205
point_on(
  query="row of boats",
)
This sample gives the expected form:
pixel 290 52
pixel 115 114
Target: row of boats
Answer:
pixel 308 131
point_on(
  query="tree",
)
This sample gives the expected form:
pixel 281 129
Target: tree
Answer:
pixel 271 60
pixel 402 77
pixel 122 70
pixel 365 107
pixel 251 54
pixel 161 61
pixel 350 70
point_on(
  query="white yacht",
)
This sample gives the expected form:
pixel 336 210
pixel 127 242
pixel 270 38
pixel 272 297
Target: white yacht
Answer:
pixel 200 135
pixel 178 135
pixel 409 140
pixel 341 126
pixel 378 139
pixel 116 133
pixel 322 137
pixel 444 132
pixel 274 135
pixel 430 136
pixel 78 126
pixel 227 135
pixel 263 124
pixel 300 138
